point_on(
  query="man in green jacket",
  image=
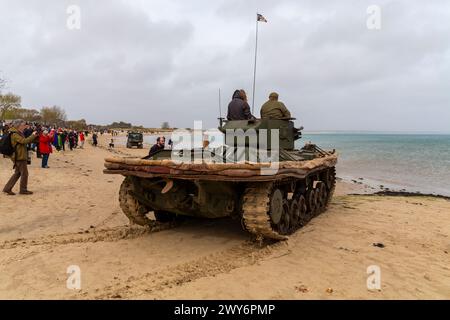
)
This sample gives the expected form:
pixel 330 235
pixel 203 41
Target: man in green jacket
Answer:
pixel 274 109
pixel 19 157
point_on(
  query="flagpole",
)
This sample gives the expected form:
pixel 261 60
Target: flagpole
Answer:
pixel 220 104
pixel 220 110
pixel 254 69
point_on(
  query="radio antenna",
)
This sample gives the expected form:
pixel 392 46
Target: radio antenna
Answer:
pixel 220 109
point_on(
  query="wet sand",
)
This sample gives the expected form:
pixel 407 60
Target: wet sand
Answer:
pixel 74 218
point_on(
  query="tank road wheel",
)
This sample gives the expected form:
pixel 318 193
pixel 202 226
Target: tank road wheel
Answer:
pixel 303 211
pixel 284 226
pixel 322 196
pixel 294 213
pixel 317 199
pixel 135 211
pixel 276 206
pixel 328 179
pixel 311 201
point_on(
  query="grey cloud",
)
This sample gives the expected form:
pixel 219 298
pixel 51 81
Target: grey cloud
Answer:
pixel 144 63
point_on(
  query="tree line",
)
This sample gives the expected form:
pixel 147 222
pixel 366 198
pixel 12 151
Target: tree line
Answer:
pixel 11 108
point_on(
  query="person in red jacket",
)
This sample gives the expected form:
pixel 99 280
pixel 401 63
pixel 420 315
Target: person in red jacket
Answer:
pixel 45 146
pixel 81 139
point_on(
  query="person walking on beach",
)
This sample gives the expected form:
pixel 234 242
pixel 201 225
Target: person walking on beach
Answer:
pixel 45 145
pixel 19 157
pixel 81 140
pixel 38 130
pixel 71 140
pixel 55 141
pixel 63 136
pixel 94 139
pixel 59 139
pixel 5 131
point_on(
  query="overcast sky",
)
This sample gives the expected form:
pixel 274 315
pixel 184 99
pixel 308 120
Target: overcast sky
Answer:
pixel 149 61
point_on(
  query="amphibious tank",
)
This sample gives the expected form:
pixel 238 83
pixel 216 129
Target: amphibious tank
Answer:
pixel 256 175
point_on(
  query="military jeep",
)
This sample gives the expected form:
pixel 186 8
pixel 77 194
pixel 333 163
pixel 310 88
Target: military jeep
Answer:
pixel 135 139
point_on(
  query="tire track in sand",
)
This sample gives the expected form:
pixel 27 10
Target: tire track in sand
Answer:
pixel 92 235
pixel 150 284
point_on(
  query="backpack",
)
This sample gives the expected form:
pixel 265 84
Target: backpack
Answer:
pixel 6 147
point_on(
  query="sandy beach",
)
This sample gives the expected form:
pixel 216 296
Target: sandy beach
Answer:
pixel 74 218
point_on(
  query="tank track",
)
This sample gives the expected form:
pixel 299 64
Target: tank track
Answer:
pixel 136 212
pixel 256 206
pixel 255 210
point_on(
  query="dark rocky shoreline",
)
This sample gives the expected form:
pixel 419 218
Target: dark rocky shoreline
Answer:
pixel 391 193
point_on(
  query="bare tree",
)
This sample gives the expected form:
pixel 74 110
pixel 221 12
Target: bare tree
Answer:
pixel 53 115
pixel 8 101
pixel 78 125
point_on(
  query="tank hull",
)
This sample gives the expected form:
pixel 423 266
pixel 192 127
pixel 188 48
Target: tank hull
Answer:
pixel 269 205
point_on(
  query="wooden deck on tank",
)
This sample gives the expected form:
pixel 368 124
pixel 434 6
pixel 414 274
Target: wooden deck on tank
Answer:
pixel 216 171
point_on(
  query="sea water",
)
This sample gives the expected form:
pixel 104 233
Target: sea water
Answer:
pixel 414 162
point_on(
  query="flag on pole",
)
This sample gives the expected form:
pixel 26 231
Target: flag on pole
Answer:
pixel 260 18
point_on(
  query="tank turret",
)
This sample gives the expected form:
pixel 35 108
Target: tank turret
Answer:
pixel 287 132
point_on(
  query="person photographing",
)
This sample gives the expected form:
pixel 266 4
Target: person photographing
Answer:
pixel 19 157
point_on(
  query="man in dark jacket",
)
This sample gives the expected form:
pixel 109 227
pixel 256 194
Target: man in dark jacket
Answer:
pixel 5 130
pixel 63 139
pixel 19 157
pixel 238 109
pixel 160 145
pixel 71 138
pixel 94 139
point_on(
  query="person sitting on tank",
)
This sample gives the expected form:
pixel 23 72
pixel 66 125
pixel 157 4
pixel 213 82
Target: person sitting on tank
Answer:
pixel 238 109
pixel 160 144
pixel 274 109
